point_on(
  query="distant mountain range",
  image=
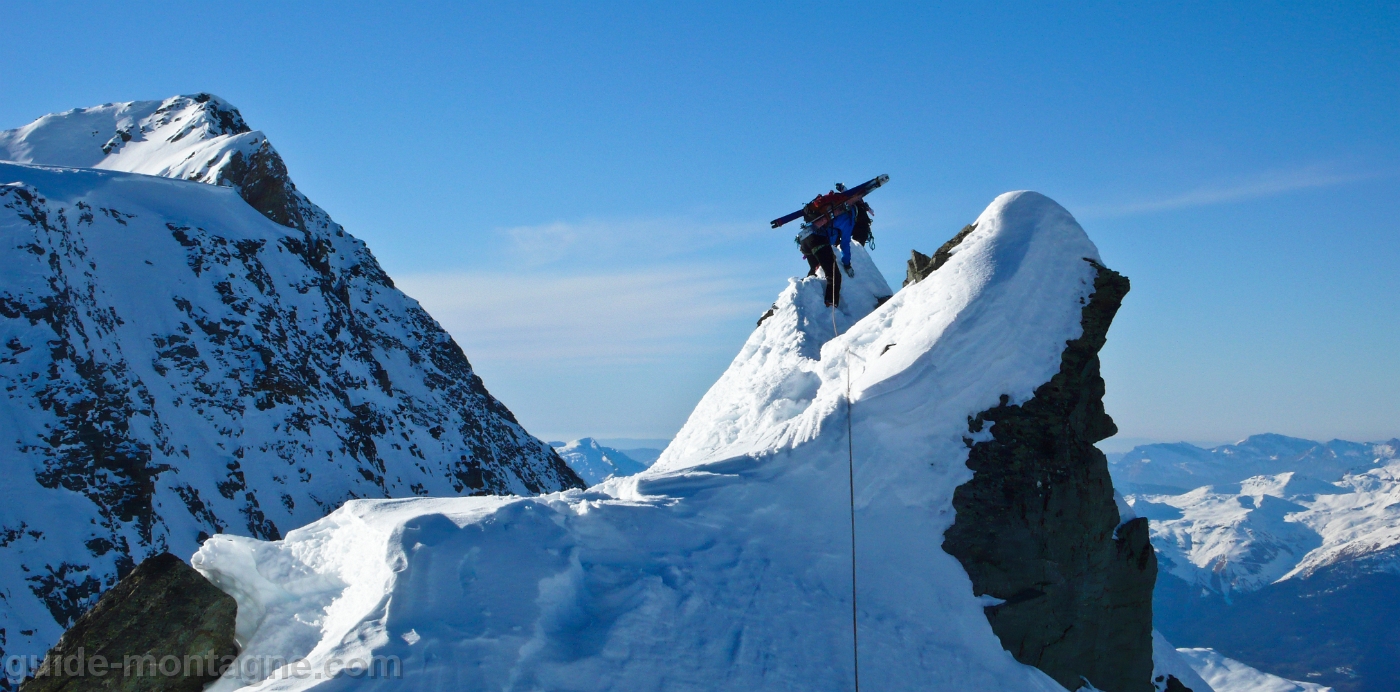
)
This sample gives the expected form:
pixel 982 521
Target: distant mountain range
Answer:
pixel 595 463
pixel 1181 467
pixel 1281 552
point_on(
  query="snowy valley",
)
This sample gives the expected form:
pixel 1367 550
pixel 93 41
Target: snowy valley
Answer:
pixel 1286 555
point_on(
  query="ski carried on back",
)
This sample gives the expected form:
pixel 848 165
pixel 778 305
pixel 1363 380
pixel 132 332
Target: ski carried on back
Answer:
pixel 824 208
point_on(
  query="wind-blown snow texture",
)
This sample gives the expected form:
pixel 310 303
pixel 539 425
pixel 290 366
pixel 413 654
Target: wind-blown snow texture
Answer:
pixel 725 566
pixel 175 364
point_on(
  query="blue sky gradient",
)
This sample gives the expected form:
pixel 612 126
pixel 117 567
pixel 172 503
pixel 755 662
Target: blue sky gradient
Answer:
pixel 579 192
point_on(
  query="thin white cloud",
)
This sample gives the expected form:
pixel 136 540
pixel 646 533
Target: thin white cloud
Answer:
pixel 545 244
pixel 1265 185
pixel 598 318
pixel 621 240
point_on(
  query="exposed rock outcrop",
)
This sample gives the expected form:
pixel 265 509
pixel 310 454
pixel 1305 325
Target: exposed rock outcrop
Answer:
pixel 921 265
pixel 1038 528
pixel 163 627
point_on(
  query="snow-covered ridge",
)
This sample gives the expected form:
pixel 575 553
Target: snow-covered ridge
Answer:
pixel 177 363
pixel 200 138
pixel 759 402
pixel 187 137
pixel 726 565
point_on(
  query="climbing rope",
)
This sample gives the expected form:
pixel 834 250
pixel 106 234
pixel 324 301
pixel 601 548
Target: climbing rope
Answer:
pixel 851 481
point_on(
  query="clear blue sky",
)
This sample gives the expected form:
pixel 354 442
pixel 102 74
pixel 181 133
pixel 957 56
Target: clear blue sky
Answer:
pixel 580 191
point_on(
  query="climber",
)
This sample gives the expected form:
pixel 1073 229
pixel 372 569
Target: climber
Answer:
pixel 834 218
pixel 816 245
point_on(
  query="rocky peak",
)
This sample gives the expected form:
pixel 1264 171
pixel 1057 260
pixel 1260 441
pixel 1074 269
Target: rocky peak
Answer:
pixel 921 265
pixel 1038 528
pixel 182 359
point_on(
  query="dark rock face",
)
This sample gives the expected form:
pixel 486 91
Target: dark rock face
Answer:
pixel 1037 525
pixel 768 313
pixel 1174 685
pixel 260 175
pixel 163 627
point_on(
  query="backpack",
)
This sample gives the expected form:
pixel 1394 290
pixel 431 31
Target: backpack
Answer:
pixel 862 233
pixel 819 205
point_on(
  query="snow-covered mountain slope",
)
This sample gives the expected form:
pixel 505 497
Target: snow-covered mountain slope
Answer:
pixel 1169 662
pixel 1337 627
pixel 726 566
pixel 595 463
pixel 759 402
pixel 188 137
pixel 1244 536
pixel 1294 575
pixel 1228 675
pixel 176 364
pixel 1180 467
pixel 200 138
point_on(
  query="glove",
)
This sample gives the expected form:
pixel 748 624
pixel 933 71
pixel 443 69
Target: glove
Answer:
pixel 849 271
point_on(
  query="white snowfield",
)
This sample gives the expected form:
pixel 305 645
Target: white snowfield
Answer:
pixel 1229 675
pixel 1169 661
pixel 1240 537
pixel 726 566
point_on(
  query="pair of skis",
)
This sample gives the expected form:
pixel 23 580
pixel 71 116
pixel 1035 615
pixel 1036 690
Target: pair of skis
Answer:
pixel 833 204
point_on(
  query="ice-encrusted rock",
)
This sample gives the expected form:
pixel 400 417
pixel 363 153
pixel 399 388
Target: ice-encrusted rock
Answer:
pixel 177 363
pixel 921 265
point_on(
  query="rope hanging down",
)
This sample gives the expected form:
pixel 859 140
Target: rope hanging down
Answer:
pixel 851 481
